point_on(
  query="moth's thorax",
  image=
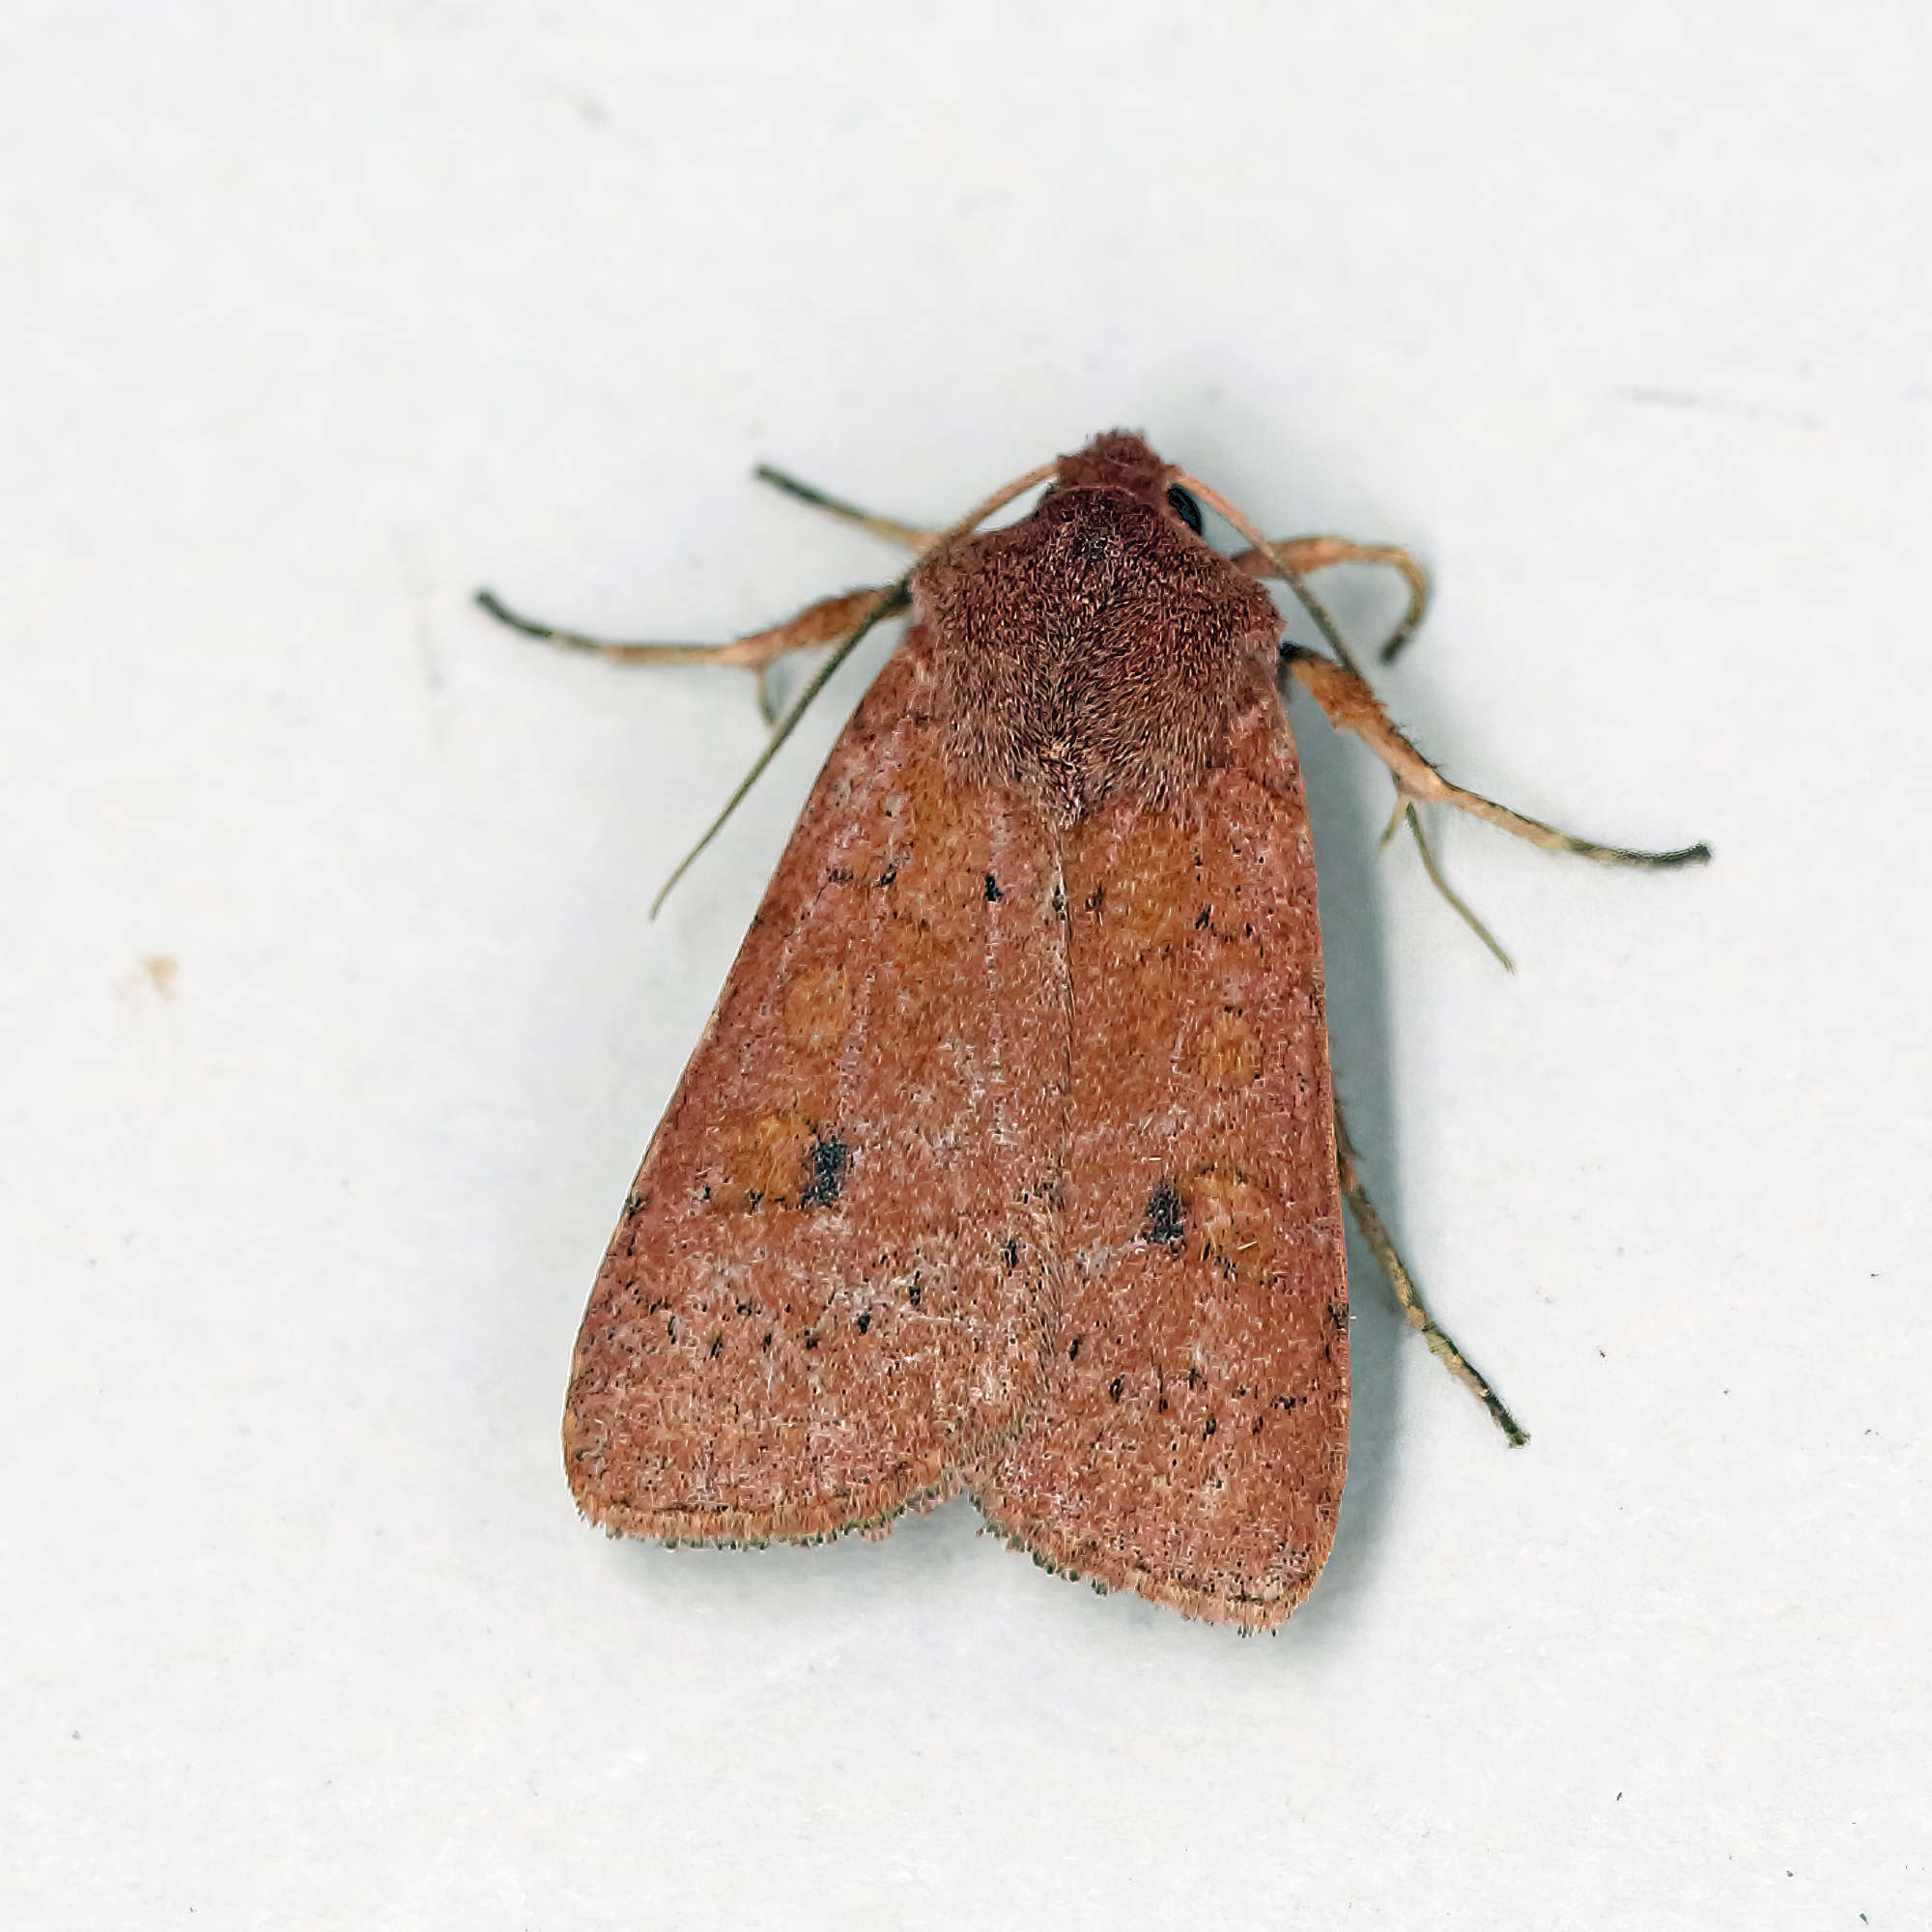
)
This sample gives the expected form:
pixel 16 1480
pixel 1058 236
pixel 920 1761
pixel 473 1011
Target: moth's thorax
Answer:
pixel 1097 647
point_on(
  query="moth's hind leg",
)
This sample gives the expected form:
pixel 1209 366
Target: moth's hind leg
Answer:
pixel 826 622
pixel 1351 706
pixel 1414 1312
pixel 1306 554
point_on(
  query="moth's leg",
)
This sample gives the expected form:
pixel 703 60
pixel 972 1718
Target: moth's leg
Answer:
pixel 1307 555
pixel 1413 1311
pixel 1351 706
pixel 1404 813
pixel 822 623
pixel 1458 904
pixel 826 622
pixel 888 527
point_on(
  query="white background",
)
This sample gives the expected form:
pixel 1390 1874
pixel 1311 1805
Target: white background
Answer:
pixel 315 318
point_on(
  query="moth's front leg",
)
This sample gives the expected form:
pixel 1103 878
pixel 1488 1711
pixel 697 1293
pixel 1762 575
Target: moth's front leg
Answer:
pixel 827 622
pixel 1306 554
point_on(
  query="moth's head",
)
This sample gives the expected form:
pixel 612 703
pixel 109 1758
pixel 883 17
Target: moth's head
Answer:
pixel 1121 461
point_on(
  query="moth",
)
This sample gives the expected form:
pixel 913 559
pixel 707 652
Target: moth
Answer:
pixel 1008 1160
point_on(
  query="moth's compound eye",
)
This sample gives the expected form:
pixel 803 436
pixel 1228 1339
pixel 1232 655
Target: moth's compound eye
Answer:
pixel 1185 509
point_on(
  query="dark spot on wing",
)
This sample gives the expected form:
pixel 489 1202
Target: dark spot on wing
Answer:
pixel 993 890
pixel 1165 1223
pixel 1011 1251
pixel 1117 1387
pixel 830 1158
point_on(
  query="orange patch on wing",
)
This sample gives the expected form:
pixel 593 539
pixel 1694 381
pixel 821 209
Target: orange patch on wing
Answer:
pixel 818 1008
pixel 1223 1048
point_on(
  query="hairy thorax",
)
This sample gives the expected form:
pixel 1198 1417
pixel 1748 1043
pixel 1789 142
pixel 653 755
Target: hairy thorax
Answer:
pixel 1098 648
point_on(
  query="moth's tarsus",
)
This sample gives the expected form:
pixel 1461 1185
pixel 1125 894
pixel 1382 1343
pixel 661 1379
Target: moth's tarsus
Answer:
pixel 604 647
pixel 503 614
pixel 1415 1311
pixel 1698 854
pixel 890 527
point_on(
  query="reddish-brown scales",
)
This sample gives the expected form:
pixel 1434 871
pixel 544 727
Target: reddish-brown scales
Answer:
pixel 1098 648
pixel 828 1291
pixel 1007 1159
pixel 1192 1435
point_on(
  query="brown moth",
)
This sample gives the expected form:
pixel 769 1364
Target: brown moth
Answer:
pixel 1008 1160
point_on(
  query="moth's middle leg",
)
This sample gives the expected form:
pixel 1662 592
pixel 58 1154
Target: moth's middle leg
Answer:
pixel 1351 706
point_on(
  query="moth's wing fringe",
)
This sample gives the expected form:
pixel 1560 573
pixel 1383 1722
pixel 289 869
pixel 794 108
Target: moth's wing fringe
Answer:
pixel 823 1522
pixel 1106 1576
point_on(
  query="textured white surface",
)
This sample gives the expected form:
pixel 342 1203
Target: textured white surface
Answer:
pixel 317 317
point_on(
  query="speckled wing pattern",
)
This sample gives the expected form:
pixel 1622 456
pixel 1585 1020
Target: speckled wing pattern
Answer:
pixel 1191 1440
pixel 1008 1160
pixel 829 1292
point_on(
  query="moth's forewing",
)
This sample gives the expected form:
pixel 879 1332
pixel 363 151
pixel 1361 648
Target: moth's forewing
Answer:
pixel 1192 1438
pixel 826 1294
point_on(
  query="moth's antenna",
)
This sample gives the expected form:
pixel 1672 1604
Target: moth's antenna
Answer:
pixel 894 598
pixel 890 601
